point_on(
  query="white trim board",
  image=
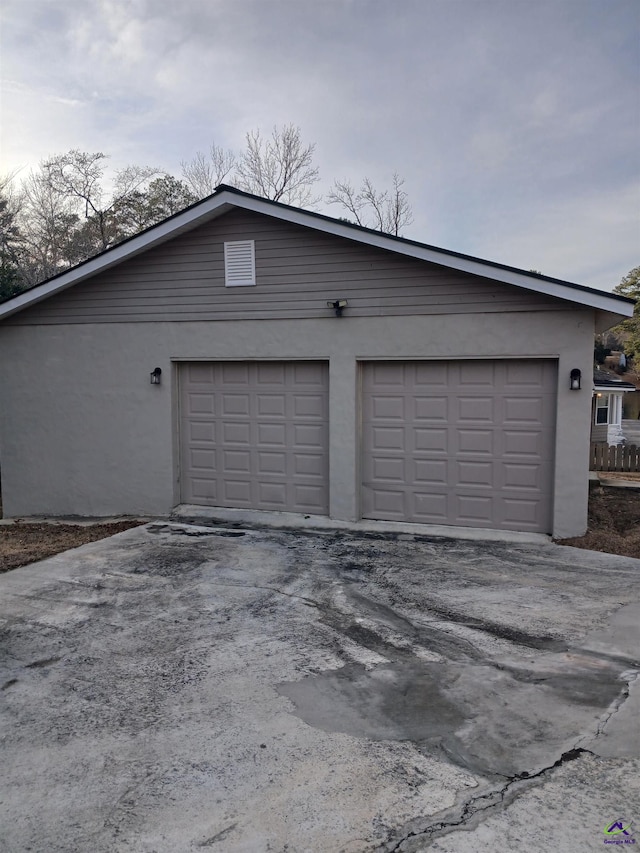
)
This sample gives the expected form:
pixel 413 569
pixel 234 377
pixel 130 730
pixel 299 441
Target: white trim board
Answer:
pixel 225 198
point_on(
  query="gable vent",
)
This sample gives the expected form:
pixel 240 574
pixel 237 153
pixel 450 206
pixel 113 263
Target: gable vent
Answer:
pixel 239 263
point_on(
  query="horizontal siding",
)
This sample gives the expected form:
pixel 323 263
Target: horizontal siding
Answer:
pixel 599 432
pixel 297 271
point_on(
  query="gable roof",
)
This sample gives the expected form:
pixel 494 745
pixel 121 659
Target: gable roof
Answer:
pixel 610 307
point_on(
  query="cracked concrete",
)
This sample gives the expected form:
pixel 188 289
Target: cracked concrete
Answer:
pixel 186 687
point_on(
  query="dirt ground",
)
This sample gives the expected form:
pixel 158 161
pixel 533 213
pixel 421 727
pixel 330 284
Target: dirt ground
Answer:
pixel 614 521
pixel 24 542
pixel 614 528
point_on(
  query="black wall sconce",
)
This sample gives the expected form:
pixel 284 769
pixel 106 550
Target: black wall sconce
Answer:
pixel 155 376
pixel 338 305
pixel 575 378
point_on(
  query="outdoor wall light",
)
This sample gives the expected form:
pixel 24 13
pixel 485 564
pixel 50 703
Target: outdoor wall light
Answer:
pixel 155 376
pixel 338 305
pixel 575 378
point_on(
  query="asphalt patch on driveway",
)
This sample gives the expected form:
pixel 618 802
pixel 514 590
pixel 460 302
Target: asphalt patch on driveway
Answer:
pixel 486 715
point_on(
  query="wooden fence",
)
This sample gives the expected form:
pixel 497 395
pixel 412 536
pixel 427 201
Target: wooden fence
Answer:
pixel 619 457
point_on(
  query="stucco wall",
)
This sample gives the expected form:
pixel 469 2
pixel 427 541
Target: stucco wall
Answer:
pixel 83 432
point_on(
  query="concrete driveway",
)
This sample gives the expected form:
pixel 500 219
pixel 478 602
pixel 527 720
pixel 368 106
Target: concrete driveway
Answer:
pixel 183 687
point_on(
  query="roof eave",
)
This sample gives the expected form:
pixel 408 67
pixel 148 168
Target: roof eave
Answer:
pixel 610 309
pixel 597 386
pixel 129 248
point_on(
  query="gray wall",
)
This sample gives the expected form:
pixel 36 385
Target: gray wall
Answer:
pixel 83 432
pixel 297 272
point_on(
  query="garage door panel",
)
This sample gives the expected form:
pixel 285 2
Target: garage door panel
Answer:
pixel 521 512
pixel 522 443
pixel 388 501
pixel 433 471
pixel 272 463
pixel 308 497
pixel 522 476
pixel 489 460
pixel 203 459
pixel 475 474
pixel 386 438
pixel 474 510
pixel 431 439
pixel 235 404
pixel 309 465
pixel 522 373
pixel 201 404
pixel 429 507
pixel 198 373
pixel 230 373
pixel 202 432
pixel 309 406
pixel 274 435
pixel 391 470
pixel 204 489
pixel 310 373
pixel 475 441
pixel 272 495
pixel 523 410
pixel 234 432
pixel 270 374
pixel 387 407
pixel 236 461
pixel 427 373
pixel 271 405
pixel 475 409
pixel 389 374
pixel 474 374
pixel 261 428
pixel 236 493
pixel 308 435
pixel 430 409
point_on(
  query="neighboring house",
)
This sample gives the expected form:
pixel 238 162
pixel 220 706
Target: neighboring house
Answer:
pixel 305 365
pixel 607 408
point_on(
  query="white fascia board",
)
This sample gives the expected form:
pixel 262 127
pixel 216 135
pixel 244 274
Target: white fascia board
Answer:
pixel 156 235
pixel 224 200
pixel 603 301
pixel 611 389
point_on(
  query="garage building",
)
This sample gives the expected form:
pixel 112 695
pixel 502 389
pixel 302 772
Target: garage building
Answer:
pixel 244 353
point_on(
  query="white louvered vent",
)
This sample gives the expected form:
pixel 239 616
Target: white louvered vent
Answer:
pixel 239 263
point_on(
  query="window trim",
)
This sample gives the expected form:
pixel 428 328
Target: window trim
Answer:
pixel 604 406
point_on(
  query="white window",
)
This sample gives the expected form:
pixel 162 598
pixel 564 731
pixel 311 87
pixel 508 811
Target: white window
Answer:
pixel 602 408
pixel 239 263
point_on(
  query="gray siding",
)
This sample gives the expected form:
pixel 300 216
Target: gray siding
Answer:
pixel 297 269
pixel 598 432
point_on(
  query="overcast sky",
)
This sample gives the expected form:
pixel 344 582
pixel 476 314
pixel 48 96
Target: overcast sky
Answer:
pixel 515 123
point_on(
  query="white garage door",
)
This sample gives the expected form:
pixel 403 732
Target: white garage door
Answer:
pixel 255 435
pixel 460 442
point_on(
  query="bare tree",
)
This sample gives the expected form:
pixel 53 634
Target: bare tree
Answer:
pixel 388 210
pixel 77 177
pixel 47 222
pixel 204 173
pixel 279 168
pixel 66 212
